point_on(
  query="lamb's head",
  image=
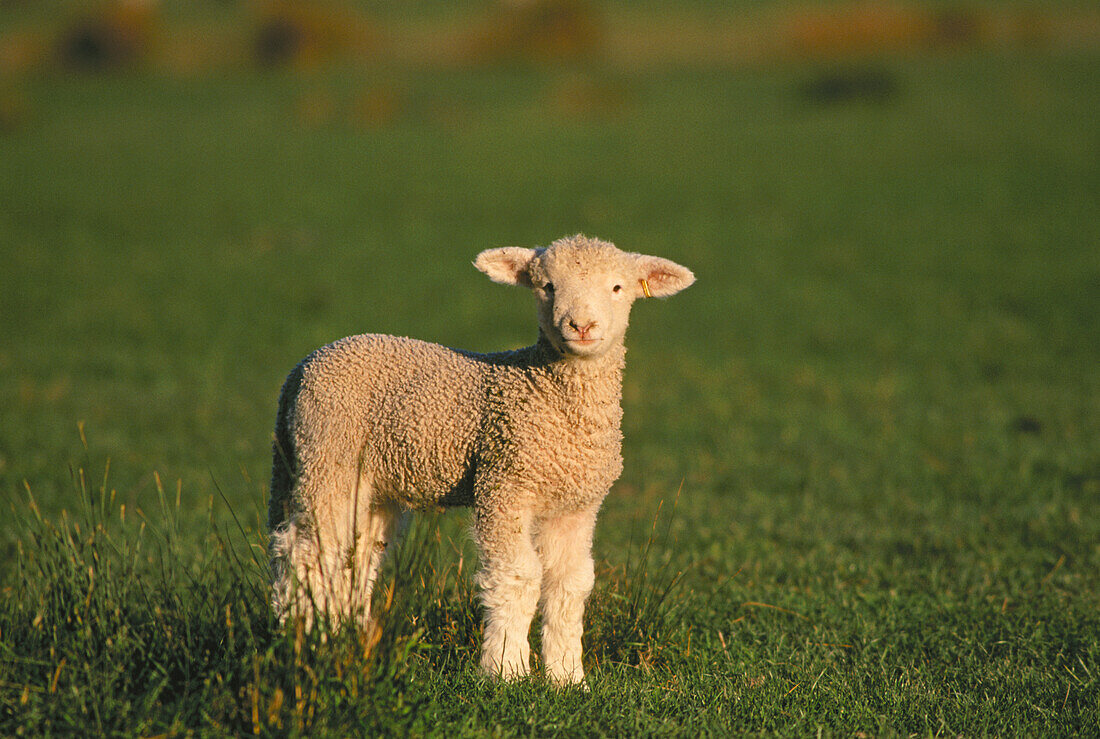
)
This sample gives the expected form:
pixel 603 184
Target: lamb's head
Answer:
pixel 584 288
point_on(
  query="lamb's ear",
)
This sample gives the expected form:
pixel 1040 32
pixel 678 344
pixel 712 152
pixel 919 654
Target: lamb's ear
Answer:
pixel 659 278
pixel 506 265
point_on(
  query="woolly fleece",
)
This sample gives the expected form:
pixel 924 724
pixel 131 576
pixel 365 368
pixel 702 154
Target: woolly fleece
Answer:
pixel 372 425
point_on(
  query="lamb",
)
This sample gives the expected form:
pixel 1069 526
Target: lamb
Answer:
pixel 371 426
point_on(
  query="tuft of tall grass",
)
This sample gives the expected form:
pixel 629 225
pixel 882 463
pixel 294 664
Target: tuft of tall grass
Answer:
pixel 116 621
pixel 113 623
pixel 635 615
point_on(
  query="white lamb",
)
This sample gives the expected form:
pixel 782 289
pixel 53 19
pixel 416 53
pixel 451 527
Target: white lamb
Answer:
pixel 372 425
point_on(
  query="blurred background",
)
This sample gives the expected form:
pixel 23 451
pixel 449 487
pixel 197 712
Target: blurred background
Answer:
pixel 891 207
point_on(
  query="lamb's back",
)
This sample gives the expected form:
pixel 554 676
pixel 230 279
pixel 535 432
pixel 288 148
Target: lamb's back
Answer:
pixel 405 412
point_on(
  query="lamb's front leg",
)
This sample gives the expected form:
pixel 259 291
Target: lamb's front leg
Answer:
pixel 509 583
pixel 564 546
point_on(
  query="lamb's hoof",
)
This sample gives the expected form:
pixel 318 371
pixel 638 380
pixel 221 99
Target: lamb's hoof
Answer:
pixel 569 681
pixel 507 671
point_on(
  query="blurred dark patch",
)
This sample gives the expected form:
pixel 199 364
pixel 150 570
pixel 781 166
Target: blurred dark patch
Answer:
pixel 538 30
pixel 955 27
pixel 992 370
pixel 1026 425
pixel 116 36
pixel 856 84
pixel 278 40
pixel 15 109
pixel 1017 307
pixel 585 95
pixel 312 302
pixel 1084 481
pixel 298 34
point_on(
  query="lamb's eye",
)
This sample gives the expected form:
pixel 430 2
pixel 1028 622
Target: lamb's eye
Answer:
pixel 548 287
pixel 617 288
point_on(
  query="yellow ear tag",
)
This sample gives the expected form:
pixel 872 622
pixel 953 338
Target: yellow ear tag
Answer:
pixel 645 288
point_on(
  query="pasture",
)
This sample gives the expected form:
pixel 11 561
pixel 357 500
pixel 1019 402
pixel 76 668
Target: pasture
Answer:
pixel 862 452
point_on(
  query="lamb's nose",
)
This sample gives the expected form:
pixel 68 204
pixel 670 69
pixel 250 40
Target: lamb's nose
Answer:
pixel 582 331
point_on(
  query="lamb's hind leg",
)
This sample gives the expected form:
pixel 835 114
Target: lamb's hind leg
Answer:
pixel 299 568
pixel 325 556
pixel 375 530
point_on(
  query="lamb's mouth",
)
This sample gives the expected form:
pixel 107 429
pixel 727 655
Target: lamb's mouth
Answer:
pixel 581 347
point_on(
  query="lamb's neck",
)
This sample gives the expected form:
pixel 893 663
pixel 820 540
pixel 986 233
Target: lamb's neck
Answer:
pixel 600 376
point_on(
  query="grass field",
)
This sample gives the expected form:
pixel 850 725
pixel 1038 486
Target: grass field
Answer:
pixel 862 452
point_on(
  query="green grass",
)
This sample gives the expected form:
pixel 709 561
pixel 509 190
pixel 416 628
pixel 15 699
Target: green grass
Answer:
pixel 881 399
